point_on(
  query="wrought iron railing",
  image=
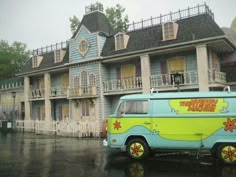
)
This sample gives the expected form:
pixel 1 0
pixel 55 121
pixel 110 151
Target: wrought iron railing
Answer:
pixel 123 84
pixel 172 16
pixel 166 80
pixel 50 48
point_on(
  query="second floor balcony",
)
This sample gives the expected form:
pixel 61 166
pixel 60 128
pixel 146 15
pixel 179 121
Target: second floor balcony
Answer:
pixel 80 92
pixel 58 92
pixel 128 84
pixel 169 80
pixel 37 93
pixel 216 77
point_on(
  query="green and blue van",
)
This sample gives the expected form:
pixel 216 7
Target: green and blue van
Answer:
pixel 142 123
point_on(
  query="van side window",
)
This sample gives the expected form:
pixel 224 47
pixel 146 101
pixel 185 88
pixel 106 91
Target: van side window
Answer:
pixel 134 107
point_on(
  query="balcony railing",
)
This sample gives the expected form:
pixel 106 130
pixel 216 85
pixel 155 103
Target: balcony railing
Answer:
pixel 36 93
pixel 58 91
pixel 216 76
pixel 123 84
pixel 83 91
pixel 166 80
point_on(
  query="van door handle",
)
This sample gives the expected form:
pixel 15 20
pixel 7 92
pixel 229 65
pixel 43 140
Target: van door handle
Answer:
pixel 147 123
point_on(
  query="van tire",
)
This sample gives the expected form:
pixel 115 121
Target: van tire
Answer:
pixel 227 153
pixel 137 148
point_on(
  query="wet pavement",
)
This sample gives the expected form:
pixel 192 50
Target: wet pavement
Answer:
pixel 30 155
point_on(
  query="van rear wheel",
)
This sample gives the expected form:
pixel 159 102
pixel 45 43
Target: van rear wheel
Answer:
pixel 227 153
pixel 137 148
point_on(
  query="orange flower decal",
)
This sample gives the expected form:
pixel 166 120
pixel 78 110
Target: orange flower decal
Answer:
pixel 117 125
pixel 230 153
pixel 137 149
pixel 230 124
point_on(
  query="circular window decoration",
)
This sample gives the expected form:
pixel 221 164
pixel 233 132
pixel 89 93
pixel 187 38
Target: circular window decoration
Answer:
pixel 83 47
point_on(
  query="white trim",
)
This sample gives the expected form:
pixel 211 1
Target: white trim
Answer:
pixel 83 53
pixel 81 27
pixel 101 91
pixel 98 45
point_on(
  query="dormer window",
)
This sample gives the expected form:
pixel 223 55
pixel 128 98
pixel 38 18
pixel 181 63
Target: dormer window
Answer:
pixel 58 55
pixel 121 41
pixel 36 60
pixel 169 31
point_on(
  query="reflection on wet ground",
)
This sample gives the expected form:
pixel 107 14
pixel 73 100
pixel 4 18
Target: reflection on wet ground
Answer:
pixel 29 155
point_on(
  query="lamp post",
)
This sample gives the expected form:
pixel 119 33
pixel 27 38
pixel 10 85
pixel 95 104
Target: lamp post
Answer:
pixel 178 80
pixel 13 113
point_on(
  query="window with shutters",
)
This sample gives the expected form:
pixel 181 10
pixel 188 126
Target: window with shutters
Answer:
pixel 128 75
pixel 176 67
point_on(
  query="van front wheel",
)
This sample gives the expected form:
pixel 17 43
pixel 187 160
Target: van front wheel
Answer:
pixel 227 153
pixel 137 148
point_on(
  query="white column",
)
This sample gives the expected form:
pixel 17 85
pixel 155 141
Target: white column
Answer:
pixel 26 95
pixel 47 86
pixel 202 67
pixel 146 73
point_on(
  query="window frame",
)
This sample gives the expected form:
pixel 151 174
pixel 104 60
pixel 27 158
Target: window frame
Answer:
pixel 132 103
pixel 83 47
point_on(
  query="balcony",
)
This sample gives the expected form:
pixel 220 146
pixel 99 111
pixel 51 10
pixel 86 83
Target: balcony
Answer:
pixel 216 77
pixel 58 92
pixel 36 94
pixel 164 81
pixel 87 92
pixel 122 85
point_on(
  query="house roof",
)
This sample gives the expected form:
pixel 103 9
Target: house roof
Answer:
pixel 189 29
pixel 95 22
pixel 46 63
pixel 229 59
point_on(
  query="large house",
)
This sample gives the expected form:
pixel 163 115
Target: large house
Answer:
pixel 82 79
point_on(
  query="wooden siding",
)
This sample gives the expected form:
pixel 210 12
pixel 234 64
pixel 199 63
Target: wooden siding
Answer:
pixel 75 56
pixel 101 42
pixel 191 62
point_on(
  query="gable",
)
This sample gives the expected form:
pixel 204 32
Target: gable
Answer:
pixel 84 46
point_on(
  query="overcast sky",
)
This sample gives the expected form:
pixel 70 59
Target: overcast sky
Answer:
pixel 44 22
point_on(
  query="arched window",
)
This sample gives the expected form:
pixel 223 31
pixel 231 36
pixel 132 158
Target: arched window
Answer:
pixel 84 82
pixel 76 81
pixel 92 80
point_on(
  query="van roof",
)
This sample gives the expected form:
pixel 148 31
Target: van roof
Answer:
pixel 179 95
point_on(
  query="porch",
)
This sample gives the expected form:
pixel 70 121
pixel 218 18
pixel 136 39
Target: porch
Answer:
pixel 83 128
pixel 36 93
pixel 122 84
pixel 167 82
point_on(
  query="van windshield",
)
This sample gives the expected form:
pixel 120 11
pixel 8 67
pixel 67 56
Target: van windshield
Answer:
pixel 134 107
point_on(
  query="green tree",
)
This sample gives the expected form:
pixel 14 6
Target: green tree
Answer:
pixel 117 19
pixel 12 58
pixel 233 24
pixel 74 23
